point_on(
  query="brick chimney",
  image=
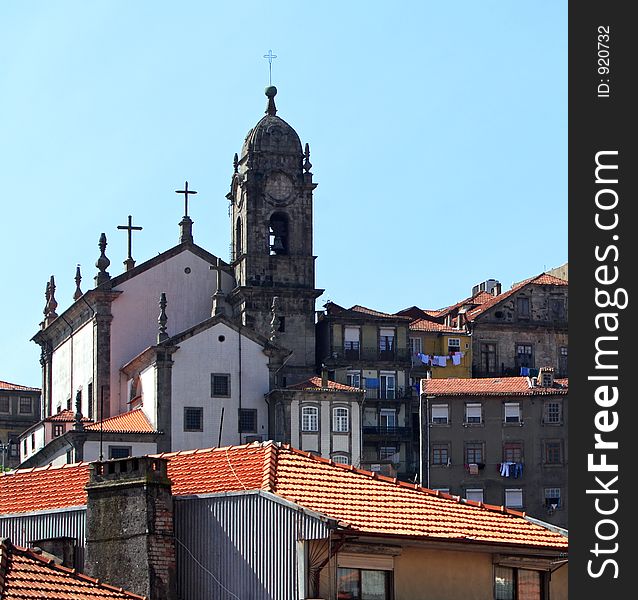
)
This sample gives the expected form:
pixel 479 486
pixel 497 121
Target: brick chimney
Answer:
pixel 129 526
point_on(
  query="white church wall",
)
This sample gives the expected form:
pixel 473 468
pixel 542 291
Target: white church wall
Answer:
pixel 197 358
pixel 67 379
pixel 149 396
pixel 188 283
pixel 34 442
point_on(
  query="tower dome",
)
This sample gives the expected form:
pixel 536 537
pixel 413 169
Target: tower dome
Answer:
pixel 272 134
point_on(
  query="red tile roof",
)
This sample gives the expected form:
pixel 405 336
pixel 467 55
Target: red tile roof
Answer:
pixel 315 383
pixel 375 313
pixel 5 385
pixel 134 421
pixel 65 416
pixel 490 386
pixel 25 574
pixel 425 325
pixel 475 300
pixel 542 279
pixel 361 501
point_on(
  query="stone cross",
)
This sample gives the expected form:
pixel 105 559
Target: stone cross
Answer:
pixel 186 192
pixel 129 262
pixel 270 56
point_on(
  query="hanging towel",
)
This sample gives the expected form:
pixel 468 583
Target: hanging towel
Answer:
pixel 456 359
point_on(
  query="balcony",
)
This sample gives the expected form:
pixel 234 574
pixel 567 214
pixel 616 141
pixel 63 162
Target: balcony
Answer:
pixel 369 354
pixel 387 431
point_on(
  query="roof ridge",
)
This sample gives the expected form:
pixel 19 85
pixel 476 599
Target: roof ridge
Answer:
pixel 269 476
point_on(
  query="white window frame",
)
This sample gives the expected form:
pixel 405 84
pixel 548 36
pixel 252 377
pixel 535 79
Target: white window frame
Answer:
pixel 416 345
pixel 341 458
pixel 475 494
pixel 386 412
pixel 552 493
pixel 385 455
pixel 440 409
pixel 512 496
pixel 453 347
pixel 353 378
pixel 474 410
pixel 514 407
pixel 341 419
pixel 8 401
pixel 309 419
pixel 387 391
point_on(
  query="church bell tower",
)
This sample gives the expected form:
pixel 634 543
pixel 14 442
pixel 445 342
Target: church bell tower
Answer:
pixel 271 220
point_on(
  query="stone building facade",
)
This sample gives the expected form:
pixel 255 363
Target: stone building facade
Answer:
pixel 499 441
pixel 20 408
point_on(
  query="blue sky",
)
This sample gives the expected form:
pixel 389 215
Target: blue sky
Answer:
pixel 438 136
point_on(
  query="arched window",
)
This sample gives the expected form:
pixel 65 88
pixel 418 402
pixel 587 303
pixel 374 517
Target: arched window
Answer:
pixel 309 418
pixel 278 234
pixel 340 420
pixel 238 233
pixel 342 459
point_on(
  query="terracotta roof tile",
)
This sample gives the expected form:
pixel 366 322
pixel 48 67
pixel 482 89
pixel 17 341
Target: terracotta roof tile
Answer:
pixel 315 383
pixel 542 279
pixel 134 421
pixel 65 416
pixel 25 575
pixel 361 501
pixel 5 385
pixel 490 386
pixel 476 300
pixel 426 325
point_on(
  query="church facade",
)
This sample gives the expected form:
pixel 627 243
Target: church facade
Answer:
pixel 193 342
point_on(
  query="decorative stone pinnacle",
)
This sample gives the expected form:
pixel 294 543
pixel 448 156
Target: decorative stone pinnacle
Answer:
pixel 235 163
pixel 51 303
pixel 77 418
pixel 78 278
pixel 162 319
pixel 218 296
pixel 103 262
pixel 271 92
pixel 47 295
pixel 307 165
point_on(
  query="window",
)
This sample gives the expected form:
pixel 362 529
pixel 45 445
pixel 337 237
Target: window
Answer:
pixel 553 412
pixel 26 406
pixel 24 447
pixel 474 453
pixel 363 584
pixel 524 355
pixel 513 452
pixel 415 346
pixel 514 498
pixel 238 240
pixel 388 418
pixel 386 343
pixel 553 452
pixel 220 385
pixel 562 361
pixel 247 420
pixel 309 418
pixel 440 414
pixel 353 378
pixel 389 453
pixel 388 386
pixel 340 420
pixel 342 459
pixel 32 442
pixel 473 413
pixel 504 588
pixel 475 494
pixel 193 418
pixel 512 412
pixel 278 234
pixel 453 345
pixel 89 400
pixel 488 359
pixel 552 498
pixel 440 454
pixel 58 430
pixel 557 308
pixel 522 306
pixel 5 407
pixel 351 342
pixel 120 451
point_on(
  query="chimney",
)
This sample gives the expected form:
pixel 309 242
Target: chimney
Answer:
pixel 496 290
pixel 129 526
pixel 324 376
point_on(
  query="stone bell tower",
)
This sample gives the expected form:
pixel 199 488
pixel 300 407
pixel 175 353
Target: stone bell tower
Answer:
pixel 271 220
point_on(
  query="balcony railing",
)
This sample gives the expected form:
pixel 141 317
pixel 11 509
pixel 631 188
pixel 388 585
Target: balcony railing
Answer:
pixel 371 354
pixel 386 430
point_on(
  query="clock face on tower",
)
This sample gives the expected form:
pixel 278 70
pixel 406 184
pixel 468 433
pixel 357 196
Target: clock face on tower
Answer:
pixel 279 187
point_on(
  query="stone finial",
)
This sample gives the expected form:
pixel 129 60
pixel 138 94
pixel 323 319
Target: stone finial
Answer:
pixel 235 163
pixel 271 92
pixel 307 165
pixel 103 262
pixel 52 304
pixel 78 278
pixel 275 321
pixel 77 418
pixel 218 297
pixel 47 295
pixel 162 319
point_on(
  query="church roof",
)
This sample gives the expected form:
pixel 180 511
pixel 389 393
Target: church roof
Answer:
pixel 134 421
pixel 25 574
pixel 361 501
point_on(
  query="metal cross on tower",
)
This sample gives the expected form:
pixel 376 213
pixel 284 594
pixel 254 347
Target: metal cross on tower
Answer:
pixel 130 229
pixel 270 56
pixel 186 192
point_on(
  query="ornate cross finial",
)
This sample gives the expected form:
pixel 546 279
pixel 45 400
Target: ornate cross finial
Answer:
pixel 270 56
pixel 162 319
pixel 275 322
pixel 307 165
pixel 186 192
pixel 103 262
pixel 129 263
pixel 78 278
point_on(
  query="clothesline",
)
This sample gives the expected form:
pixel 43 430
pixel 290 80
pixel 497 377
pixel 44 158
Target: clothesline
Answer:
pixel 440 360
